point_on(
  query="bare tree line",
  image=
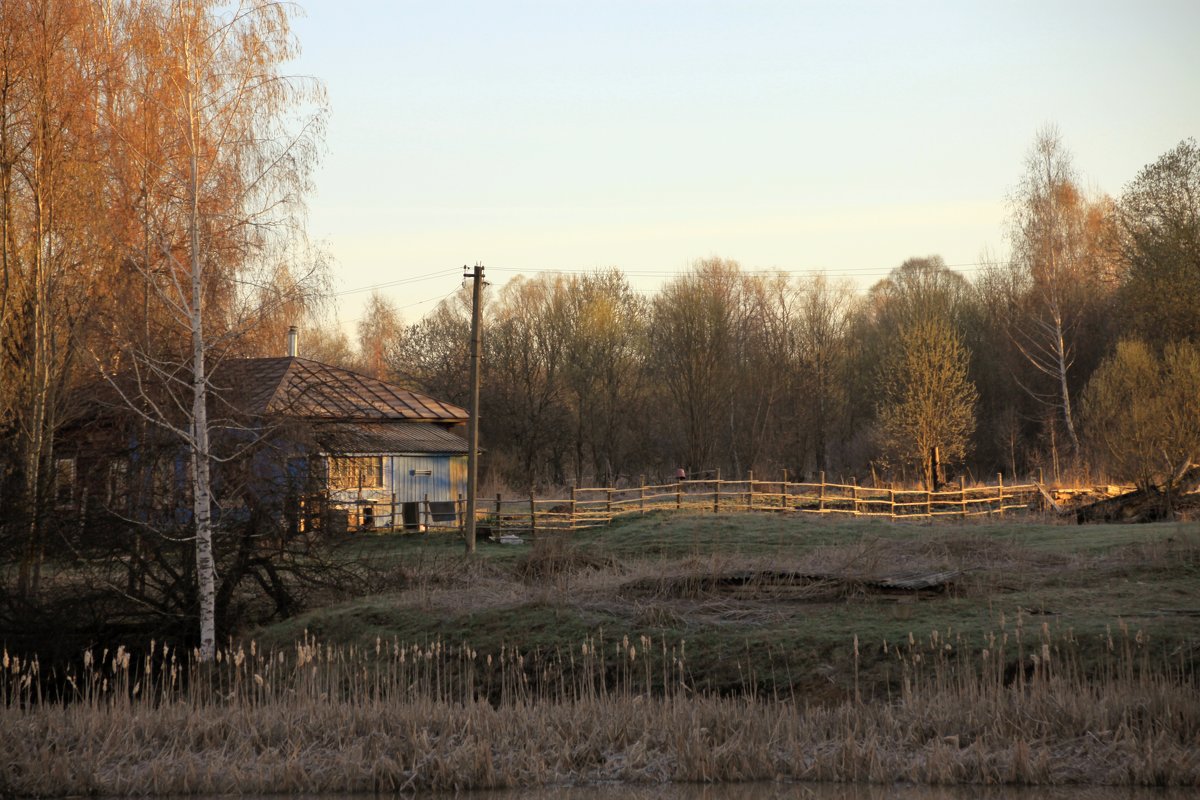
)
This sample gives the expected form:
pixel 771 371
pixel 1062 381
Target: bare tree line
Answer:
pixel 588 382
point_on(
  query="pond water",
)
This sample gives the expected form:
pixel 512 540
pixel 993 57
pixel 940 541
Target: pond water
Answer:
pixel 835 791
pixel 800 791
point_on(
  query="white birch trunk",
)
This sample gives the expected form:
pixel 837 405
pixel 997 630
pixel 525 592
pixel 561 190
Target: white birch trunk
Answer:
pixel 1064 392
pixel 201 486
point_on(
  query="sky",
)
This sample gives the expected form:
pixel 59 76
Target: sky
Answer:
pixel 801 136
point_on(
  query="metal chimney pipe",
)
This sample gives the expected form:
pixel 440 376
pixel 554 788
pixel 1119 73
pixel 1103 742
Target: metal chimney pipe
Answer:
pixel 293 342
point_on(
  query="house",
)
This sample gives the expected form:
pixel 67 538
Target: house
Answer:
pixel 314 442
pixel 387 457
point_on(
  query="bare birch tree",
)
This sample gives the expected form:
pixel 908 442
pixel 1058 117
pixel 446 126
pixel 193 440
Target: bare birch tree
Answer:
pixel 1059 255
pixel 222 175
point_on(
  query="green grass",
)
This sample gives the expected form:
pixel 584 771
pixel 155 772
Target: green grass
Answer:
pixel 557 592
pixel 655 650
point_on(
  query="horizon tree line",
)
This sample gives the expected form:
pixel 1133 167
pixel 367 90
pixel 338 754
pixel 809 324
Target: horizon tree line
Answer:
pixel 587 381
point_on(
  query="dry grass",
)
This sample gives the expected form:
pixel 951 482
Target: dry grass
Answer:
pixel 1015 708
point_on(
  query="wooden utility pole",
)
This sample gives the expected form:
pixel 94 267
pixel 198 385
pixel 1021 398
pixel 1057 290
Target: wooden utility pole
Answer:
pixel 473 422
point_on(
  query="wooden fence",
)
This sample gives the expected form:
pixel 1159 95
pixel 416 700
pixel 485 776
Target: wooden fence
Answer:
pixel 588 508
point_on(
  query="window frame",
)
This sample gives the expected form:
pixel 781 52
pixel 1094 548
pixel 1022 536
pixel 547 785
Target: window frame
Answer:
pixel 355 473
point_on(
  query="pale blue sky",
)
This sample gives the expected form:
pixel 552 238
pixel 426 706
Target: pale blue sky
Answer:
pixel 842 137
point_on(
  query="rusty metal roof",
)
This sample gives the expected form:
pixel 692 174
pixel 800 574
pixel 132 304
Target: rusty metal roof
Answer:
pixel 384 437
pixel 298 387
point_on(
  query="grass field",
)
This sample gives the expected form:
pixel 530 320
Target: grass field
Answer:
pixel 664 649
pixel 668 577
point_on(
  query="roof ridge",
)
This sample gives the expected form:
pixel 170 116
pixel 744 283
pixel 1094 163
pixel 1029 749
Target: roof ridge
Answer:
pixel 282 379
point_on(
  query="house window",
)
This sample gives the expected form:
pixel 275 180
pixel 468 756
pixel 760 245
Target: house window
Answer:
pixel 356 473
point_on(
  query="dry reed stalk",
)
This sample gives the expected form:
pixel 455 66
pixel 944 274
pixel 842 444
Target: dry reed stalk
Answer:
pixel 393 716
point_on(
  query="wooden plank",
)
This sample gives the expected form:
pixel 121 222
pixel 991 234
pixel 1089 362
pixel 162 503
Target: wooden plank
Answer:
pixel 1050 500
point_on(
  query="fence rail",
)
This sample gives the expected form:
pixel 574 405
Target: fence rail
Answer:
pixel 593 507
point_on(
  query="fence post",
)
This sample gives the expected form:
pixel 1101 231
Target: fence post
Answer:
pixel 892 500
pixel 751 499
pixel 929 501
pixel 1000 492
pixel 854 492
pixel 642 492
pixel 608 504
pixel 717 494
pixel 678 494
pixel 821 501
pixel 962 488
pixel 532 517
pixel 783 490
pixel 428 516
pixel 572 507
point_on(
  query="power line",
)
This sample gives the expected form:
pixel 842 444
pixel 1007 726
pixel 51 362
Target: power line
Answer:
pixel 675 273
pixel 397 282
pixel 437 298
